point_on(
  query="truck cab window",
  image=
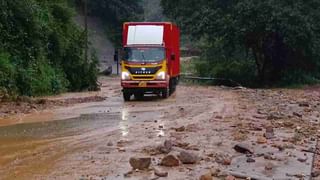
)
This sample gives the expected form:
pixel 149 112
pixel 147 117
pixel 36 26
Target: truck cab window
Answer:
pixel 132 54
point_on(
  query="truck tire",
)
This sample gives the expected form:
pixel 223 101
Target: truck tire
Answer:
pixel 173 85
pixel 126 96
pixel 165 93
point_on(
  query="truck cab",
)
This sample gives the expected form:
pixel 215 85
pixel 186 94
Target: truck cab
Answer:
pixel 150 59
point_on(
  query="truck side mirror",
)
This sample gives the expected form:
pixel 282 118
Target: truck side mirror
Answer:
pixel 116 56
pixel 173 57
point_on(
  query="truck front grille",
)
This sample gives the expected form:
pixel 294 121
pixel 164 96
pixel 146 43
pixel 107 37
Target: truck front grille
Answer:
pixel 143 77
pixel 143 70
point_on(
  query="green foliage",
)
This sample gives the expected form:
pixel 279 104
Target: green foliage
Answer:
pixel 280 36
pixel 296 78
pixel 242 72
pixel 153 11
pixel 42 49
pixel 7 73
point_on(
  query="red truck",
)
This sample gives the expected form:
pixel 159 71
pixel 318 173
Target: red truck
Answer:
pixel 150 61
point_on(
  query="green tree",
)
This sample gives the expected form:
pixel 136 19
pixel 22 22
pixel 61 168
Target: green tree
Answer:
pixel 279 35
pixel 42 49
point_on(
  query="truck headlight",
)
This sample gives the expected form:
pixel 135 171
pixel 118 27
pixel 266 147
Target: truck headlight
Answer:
pixel 125 76
pixel 161 75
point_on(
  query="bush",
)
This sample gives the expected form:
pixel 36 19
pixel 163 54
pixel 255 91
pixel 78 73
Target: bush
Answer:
pixel 242 72
pixel 7 74
pixel 298 78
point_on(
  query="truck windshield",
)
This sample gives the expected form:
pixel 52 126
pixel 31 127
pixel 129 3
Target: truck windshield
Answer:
pixel 143 54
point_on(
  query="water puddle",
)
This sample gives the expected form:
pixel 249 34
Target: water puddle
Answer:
pixel 78 125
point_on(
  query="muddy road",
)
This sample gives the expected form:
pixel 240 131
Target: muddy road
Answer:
pixel 95 140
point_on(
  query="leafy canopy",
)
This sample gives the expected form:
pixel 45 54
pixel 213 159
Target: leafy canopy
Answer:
pixel 279 35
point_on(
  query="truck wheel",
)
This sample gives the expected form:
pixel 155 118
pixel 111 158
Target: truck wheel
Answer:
pixel 172 87
pixel 126 96
pixel 165 93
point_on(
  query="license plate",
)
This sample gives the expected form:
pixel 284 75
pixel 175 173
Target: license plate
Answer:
pixel 143 84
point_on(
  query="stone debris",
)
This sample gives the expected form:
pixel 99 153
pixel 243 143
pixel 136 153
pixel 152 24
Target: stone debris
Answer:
pixel 303 159
pixel 121 149
pixel 180 129
pixel 250 160
pixel 230 178
pixel 188 157
pixel 269 166
pixel 170 161
pixel 269 134
pixel 297 114
pixel 159 173
pixel 140 163
pixel 166 147
pixel 243 148
pixel 315 173
pixel 206 176
pixel 262 140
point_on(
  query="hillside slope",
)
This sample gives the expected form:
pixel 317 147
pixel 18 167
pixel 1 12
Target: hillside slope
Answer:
pixel 99 41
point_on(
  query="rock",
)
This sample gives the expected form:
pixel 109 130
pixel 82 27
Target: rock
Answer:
pixel 170 161
pixel 215 172
pixel 110 143
pixel 230 178
pixel 159 173
pixel 303 159
pixel 269 134
pixel 304 104
pixel 166 147
pixel 121 149
pixel 188 157
pixel 262 140
pixel 226 161
pixel 269 156
pixel 315 173
pixel 243 148
pixel 140 163
pixel 180 129
pixel 223 159
pixel 251 160
pixel 107 71
pixel 207 176
pixel 127 174
pixel 41 101
pixel 288 124
pixel 256 128
pixel 269 166
pixel 297 114
pixel 274 116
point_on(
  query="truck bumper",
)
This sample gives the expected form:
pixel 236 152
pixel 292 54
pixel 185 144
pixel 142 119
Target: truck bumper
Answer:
pixel 147 84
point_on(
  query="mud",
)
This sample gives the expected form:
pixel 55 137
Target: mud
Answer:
pixel 95 140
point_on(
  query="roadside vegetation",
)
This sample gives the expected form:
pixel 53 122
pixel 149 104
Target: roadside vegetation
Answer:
pixel 265 43
pixel 42 49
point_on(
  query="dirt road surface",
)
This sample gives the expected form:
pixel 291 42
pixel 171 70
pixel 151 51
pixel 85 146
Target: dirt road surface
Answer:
pixel 276 130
